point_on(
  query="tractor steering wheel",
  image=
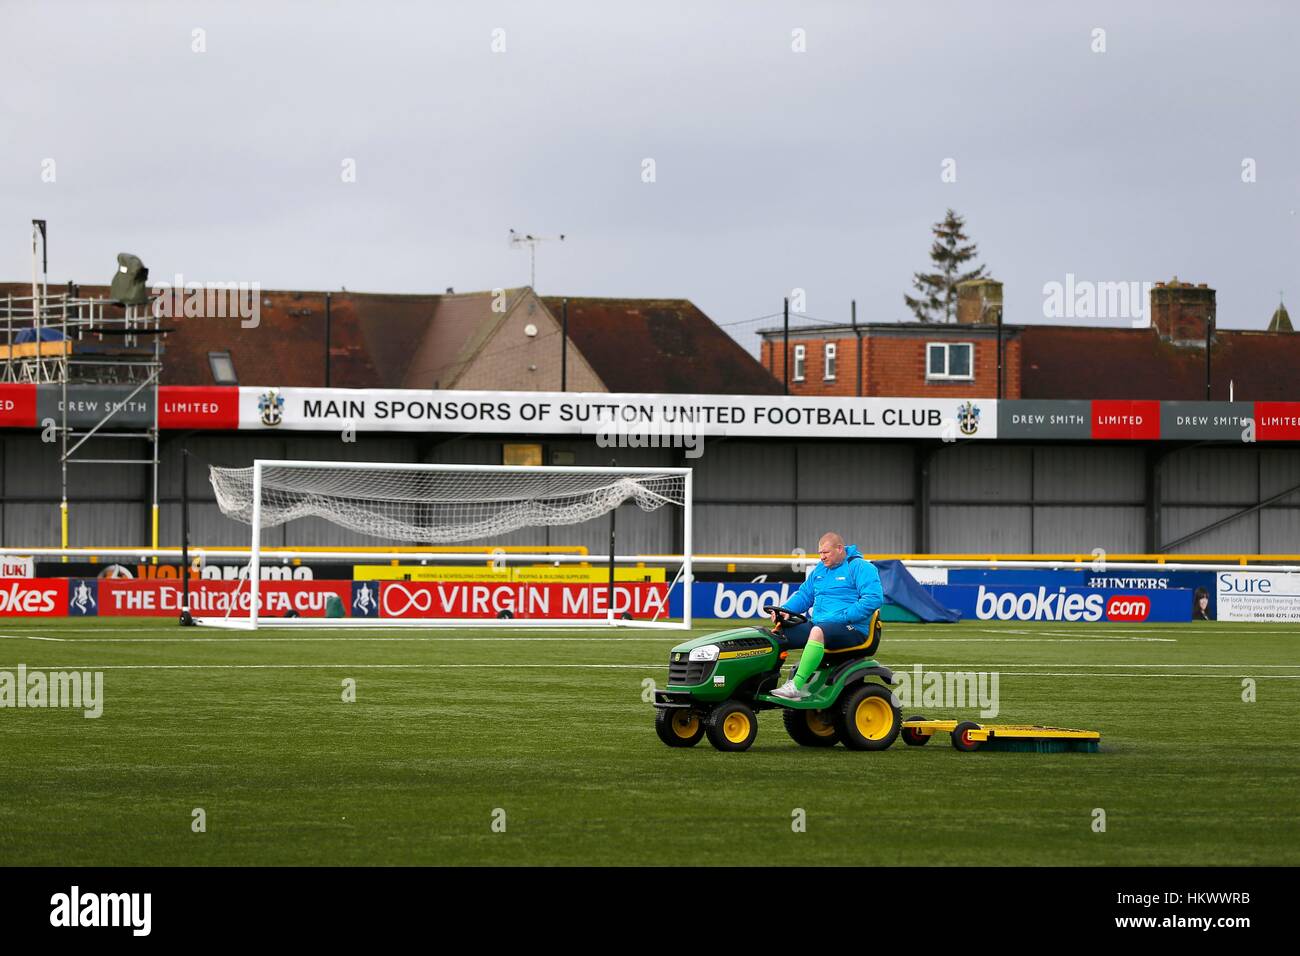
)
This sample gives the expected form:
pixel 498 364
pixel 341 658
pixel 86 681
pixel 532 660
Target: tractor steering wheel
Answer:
pixel 785 618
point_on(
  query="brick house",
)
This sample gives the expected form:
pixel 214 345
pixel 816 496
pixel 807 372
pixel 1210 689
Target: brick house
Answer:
pixel 1165 360
pixel 921 359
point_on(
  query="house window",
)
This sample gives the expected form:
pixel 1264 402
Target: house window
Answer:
pixel 799 351
pixel 947 361
pixel 829 374
pixel 223 368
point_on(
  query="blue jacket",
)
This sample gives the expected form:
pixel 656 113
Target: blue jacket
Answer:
pixel 848 593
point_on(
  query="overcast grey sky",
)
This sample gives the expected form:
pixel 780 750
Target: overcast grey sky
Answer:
pixel 774 169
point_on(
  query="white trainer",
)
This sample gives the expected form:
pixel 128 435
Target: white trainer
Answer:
pixel 789 691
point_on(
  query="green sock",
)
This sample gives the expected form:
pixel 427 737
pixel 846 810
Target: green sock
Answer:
pixel 812 656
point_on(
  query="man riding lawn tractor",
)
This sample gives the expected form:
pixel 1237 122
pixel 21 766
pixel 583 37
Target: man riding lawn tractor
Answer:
pixel 718 682
pixel 843 592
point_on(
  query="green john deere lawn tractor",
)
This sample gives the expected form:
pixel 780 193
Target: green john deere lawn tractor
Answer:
pixel 717 685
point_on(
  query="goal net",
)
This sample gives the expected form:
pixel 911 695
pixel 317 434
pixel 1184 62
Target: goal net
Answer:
pixel 421 513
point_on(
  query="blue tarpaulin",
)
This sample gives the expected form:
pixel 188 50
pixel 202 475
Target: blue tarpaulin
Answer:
pixel 29 335
pixel 904 590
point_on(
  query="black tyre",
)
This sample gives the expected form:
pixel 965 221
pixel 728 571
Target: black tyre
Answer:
pixel 811 728
pixel 914 738
pixel 678 726
pixel 867 717
pixel 731 726
pixel 961 736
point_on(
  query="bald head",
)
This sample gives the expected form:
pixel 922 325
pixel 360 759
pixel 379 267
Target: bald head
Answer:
pixel 831 549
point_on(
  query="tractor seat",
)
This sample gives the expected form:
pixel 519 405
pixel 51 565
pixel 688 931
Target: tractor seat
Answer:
pixel 870 644
pixel 868 647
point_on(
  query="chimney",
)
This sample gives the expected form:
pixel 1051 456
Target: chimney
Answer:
pixel 1179 311
pixel 978 301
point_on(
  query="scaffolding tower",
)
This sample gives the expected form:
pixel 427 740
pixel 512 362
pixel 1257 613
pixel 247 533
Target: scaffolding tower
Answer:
pixel 68 341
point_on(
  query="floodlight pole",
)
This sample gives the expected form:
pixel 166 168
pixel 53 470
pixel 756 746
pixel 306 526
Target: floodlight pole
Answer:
pixel 1209 332
pixel 785 312
pixel 1000 353
pixel 853 307
pixel 187 619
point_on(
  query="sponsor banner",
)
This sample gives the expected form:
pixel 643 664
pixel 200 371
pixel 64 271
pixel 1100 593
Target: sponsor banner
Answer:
pixel 123 597
pixel 562 573
pixel 466 599
pixel 365 599
pixel 1198 421
pixel 17 406
pixel 227 408
pixel 731 600
pixel 1044 419
pixel 578 413
pixel 88 405
pixel 1277 421
pixel 1258 596
pixel 992 603
pixel 928 575
pixel 17 567
pixel 83 597
pixel 33 597
pixel 144 570
pixel 1125 420
pixel 1200 583
pixel 198 406
pixel 1016 577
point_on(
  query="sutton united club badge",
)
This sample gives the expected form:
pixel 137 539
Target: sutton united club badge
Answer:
pixel 968 418
pixel 271 405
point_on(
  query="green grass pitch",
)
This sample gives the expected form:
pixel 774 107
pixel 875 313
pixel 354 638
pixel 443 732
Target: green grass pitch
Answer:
pixel 450 725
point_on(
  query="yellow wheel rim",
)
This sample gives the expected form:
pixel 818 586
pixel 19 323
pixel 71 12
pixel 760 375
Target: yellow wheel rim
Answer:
pixel 685 724
pixel 735 727
pixel 874 718
pixel 819 722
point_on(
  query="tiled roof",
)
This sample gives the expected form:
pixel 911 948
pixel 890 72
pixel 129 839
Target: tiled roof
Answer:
pixel 661 345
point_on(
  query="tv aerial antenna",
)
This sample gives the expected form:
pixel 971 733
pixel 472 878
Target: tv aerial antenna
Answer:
pixel 517 240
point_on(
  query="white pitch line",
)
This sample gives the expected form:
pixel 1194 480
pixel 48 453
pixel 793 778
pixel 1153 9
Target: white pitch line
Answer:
pixel 1077 674
pixel 969 664
pixel 207 667
pixel 222 667
pixel 1032 640
pixel 317 640
pixel 575 628
pixel 29 637
pixel 360 638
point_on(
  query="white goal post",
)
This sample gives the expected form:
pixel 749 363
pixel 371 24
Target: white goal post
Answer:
pixel 421 505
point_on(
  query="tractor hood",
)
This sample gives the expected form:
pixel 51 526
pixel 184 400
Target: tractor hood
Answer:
pixel 739 632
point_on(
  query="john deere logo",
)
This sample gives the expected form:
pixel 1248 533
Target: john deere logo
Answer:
pixel 968 418
pixel 677 657
pixel 271 405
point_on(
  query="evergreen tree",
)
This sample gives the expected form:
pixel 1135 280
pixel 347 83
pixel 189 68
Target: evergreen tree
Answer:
pixel 937 301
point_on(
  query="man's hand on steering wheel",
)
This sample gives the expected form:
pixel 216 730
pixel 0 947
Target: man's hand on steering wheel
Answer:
pixel 782 617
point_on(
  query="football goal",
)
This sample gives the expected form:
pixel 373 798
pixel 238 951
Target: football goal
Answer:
pixel 414 512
